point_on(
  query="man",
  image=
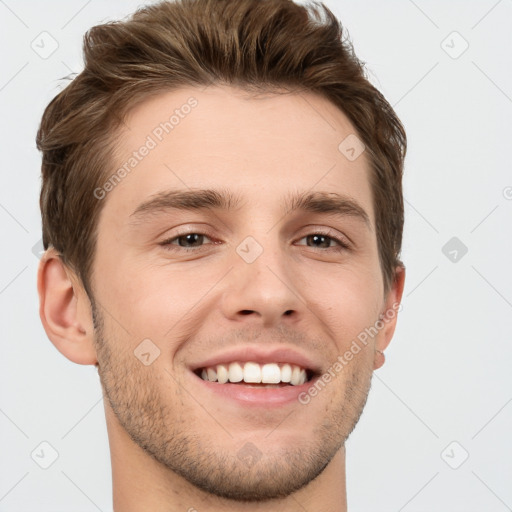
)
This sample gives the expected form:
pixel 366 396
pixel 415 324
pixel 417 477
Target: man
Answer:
pixel 222 212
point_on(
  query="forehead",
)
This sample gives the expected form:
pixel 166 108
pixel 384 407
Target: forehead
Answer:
pixel 261 146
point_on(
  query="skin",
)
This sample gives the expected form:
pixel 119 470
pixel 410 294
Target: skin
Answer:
pixel 173 447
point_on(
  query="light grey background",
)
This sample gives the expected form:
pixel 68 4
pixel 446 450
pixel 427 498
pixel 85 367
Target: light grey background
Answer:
pixel 445 391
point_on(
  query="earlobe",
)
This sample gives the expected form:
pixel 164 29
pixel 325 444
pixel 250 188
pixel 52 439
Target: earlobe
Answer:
pixel 389 316
pixel 65 310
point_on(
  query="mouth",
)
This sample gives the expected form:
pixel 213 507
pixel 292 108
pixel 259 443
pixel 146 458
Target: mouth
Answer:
pixel 256 376
pixel 252 374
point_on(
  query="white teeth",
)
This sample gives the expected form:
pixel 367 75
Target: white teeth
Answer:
pixel 295 380
pixel 222 373
pixel 298 376
pixel 236 372
pixel 286 373
pixel 270 373
pixel 254 373
pixel 212 374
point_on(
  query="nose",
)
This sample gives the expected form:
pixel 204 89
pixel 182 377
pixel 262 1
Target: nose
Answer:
pixel 262 291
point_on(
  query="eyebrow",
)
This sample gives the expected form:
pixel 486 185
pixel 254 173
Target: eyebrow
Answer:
pixel 211 199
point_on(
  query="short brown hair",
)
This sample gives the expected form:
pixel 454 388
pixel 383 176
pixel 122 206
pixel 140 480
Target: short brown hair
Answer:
pixel 252 44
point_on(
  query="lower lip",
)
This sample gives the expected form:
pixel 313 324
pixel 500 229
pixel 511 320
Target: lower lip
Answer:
pixel 257 397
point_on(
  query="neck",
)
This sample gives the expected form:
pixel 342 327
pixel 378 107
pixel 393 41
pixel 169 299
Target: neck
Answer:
pixel 139 482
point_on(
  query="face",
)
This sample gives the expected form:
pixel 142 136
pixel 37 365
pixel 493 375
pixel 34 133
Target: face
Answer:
pixel 261 277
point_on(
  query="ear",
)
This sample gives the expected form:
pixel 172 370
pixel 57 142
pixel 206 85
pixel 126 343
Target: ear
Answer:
pixel 389 315
pixel 65 310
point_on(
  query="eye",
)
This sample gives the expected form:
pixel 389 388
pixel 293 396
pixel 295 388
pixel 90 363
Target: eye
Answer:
pixel 322 240
pixel 186 241
pixel 194 241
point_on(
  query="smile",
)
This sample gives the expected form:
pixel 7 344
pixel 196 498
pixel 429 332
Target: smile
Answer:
pixel 254 373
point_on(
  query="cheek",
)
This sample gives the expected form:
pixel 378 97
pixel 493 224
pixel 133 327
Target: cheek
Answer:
pixel 157 299
pixel 346 303
pixel 163 300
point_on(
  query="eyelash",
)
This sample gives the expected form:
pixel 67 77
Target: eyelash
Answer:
pixel 167 244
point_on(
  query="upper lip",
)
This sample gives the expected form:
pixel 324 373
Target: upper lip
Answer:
pixel 261 355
